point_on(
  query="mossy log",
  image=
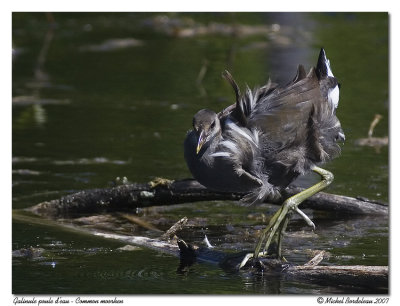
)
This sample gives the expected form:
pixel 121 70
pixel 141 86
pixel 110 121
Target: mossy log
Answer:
pixel 131 196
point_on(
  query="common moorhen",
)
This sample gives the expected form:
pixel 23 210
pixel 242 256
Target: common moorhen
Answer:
pixel 264 141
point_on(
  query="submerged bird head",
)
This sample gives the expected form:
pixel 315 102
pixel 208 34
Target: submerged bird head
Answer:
pixel 206 125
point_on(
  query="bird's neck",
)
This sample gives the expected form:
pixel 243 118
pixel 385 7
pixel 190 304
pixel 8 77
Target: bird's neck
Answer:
pixel 211 147
pixel 213 143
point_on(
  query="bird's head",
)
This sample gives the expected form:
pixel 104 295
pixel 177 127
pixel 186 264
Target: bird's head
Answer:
pixel 206 125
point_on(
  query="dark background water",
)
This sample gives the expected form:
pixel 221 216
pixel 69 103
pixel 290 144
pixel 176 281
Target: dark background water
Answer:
pixel 89 111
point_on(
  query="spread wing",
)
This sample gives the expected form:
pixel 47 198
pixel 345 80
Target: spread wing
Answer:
pixel 282 114
pixel 297 122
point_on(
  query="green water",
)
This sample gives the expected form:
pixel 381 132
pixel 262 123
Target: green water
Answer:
pixel 119 112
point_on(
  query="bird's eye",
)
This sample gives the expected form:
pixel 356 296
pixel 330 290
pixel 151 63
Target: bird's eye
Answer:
pixel 213 125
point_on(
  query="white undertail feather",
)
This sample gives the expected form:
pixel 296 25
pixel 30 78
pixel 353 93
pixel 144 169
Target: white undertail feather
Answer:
pixel 333 96
pixel 328 67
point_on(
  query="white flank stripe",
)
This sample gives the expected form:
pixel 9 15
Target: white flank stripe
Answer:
pixel 237 129
pixel 221 154
pixel 255 134
pixel 333 96
pixel 230 145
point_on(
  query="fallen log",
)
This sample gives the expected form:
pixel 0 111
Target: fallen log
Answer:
pixel 374 277
pixel 162 192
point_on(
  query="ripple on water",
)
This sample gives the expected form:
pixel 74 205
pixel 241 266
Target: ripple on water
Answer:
pixel 147 273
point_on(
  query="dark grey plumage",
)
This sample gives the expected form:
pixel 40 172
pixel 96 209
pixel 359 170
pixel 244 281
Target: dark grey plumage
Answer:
pixel 270 136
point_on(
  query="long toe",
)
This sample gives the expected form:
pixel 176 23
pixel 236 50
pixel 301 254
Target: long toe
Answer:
pixel 305 217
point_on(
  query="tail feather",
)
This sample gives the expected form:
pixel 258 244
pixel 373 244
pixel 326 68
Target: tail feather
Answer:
pixel 301 74
pixel 323 66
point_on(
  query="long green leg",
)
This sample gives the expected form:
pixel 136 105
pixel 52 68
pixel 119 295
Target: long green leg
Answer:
pixel 277 241
pixel 280 236
pixel 275 225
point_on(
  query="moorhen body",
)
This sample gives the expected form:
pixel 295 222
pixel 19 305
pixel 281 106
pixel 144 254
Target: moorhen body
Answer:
pixel 269 137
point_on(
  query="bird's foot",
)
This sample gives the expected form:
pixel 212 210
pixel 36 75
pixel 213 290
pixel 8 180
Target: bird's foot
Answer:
pixel 274 231
pixel 271 238
pixel 305 217
pixel 292 205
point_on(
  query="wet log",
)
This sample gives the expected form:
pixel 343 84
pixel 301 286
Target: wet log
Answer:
pixel 374 277
pixel 131 196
